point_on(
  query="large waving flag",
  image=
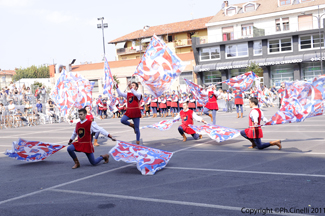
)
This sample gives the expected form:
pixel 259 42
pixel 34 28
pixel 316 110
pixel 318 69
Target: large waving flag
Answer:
pixel 261 95
pixel 32 151
pixel 196 91
pixel 72 90
pixel 216 132
pixel 109 84
pixel 65 92
pixel 159 67
pixel 242 82
pixel 148 160
pixel 162 125
pixel 302 100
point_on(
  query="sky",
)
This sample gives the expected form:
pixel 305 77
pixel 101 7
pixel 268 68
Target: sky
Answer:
pixel 35 32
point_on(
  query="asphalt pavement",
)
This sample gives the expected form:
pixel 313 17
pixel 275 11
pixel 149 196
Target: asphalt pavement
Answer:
pixel 202 178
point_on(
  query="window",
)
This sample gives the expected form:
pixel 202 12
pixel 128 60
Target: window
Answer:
pixel 282 23
pixel 305 22
pixel 281 73
pixel 212 77
pixel 311 70
pixel 210 53
pixel 249 7
pixel 237 72
pixel 280 45
pixel 170 38
pixel 231 11
pixel 285 23
pixel 228 33
pixel 277 25
pixel 311 41
pixel 247 29
pixel 306 0
pixel 237 50
pixel 95 89
pixel 285 2
pixel 257 48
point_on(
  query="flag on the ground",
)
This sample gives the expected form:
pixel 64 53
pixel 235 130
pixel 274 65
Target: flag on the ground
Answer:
pixel 216 132
pixel 162 125
pixel 148 160
pixel 196 91
pixel 302 100
pixel 159 67
pixel 32 150
pixel 242 82
pixel 109 84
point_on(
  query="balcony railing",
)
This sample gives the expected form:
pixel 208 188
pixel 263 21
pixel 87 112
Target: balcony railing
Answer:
pixel 125 51
pixel 183 43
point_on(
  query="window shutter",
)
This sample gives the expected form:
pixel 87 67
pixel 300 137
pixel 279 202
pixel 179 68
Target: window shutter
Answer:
pixel 305 22
pixel 228 29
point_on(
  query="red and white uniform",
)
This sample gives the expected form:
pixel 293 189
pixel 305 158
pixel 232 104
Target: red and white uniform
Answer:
pixel 133 99
pixel 187 119
pixel 102 105
pixel 255 115
pixel 90 117
pixel 174 101
pixel 238 97
pixel 141 104
pixel 162 102
pixel 154 102
pixel 212 102
pixel 169 100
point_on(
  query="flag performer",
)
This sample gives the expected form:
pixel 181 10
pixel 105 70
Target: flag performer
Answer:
pixel 174 104
pixel 187 116
pixel 83 131
pixel 239 102
pixel 90 117
pixel 212 104
pixel 254 133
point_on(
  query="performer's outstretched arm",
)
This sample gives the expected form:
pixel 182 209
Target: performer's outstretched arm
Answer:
pixel 198 118
pixel 177 117
pixel 121 94
pixel 95 128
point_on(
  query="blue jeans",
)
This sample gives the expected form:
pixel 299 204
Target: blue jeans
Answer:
pixel 181 131
pixel 136 122
pixel 258 141
pixel 174 110
pixel 241 108
pixel 101 112
pixel 71 150
pixel 206 112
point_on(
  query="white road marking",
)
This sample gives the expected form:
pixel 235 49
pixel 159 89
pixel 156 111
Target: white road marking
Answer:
pixel 175 202
pixel 250 172
pixel 74 181
pixel 258 151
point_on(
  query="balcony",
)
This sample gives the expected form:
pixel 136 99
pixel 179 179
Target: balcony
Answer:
pixel 132 50
pixel 183 43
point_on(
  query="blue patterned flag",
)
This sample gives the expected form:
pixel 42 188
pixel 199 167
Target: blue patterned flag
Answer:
pixel 159 67
pixel 148 160
pixel 162 125
pixel 301 100
pixel 216 132
pixel 109 84
pixel 242 82
pixel 32 151
pixel 197 92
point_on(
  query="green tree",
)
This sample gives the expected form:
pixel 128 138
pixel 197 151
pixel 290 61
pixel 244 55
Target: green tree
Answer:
pixel 32 72
pixel 255 68
pixel 116 80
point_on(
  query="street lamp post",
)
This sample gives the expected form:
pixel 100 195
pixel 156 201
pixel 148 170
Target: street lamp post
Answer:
pixel 320 39
pixel 102 26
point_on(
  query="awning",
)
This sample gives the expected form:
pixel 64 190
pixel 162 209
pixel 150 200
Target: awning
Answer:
pixel 240 64
pixel 120 45
pixel 224 66
pixel 146 40
pixel 206 67
pixel 257 61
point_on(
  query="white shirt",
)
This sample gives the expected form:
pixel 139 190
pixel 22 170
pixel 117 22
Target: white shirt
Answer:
pixel 136 93
pixel 215 92
pixel 254 115
pixel 93 129
pixel 231 96
pixel 194 116
pixel 11 106
pixel 149 101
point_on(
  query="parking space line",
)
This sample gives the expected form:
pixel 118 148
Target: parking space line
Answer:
pixel 155 200
pixel 249 172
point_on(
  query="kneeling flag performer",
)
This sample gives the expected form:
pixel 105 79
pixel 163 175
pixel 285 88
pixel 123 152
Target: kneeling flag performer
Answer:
pixel 83 131
pixel 187 116
pixel 254 133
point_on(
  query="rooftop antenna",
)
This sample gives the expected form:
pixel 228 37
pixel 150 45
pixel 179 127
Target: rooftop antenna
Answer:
pixel 192 4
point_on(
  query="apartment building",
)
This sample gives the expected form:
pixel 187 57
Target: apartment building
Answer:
pixel 285 37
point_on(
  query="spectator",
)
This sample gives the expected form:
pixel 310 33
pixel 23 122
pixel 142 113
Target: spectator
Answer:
pixel 39 106
pixel 11 106
pixel 43 94
pixel 37 93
